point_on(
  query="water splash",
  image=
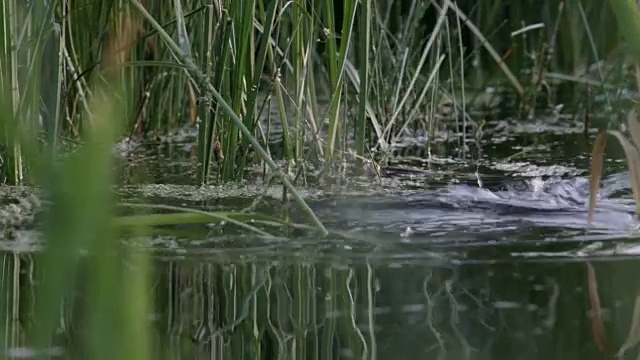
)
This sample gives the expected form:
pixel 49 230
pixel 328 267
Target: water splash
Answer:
pixel 537 207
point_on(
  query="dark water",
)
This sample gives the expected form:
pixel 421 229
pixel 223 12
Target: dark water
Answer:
pixel 422 264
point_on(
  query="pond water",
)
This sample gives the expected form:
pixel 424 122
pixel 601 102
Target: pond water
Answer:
pixel 421 264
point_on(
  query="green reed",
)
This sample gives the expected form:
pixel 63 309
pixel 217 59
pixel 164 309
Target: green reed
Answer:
pixel 364 49
pixel 310 51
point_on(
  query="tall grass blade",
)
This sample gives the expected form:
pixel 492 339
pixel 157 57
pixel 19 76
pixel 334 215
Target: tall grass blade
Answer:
pixel 337 74
pixel 634 127
pixel 10 91
pixel 364 50
pixel 425 52
pixel 206 133
pixel 415 111
pixel 633 161
pixel 371 116
pixel 52 74
pixel 254 87
pixel 240 68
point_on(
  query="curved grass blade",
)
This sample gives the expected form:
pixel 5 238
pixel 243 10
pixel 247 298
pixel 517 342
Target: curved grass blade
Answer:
pixel 596 172
pixel 634 127
pixel 633 336
pixel 337 74
pixel 633 160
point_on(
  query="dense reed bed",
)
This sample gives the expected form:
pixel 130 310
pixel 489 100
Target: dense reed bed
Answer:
pixel 346 79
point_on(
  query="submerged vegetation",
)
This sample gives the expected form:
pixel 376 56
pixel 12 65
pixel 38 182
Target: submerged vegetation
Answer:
pixel 347 80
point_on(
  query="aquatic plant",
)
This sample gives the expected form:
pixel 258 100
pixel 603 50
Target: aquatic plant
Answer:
pixel 628 16
pixel 633 160
pixel 628 22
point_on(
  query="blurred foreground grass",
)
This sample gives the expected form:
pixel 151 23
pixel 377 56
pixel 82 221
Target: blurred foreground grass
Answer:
pixel 79 187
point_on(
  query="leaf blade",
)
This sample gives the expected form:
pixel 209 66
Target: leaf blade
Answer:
pixel 596 173
pixel 634 126
pixel 633 161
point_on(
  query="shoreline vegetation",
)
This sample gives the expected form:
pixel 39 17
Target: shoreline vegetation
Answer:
pixel 79 76
pixel 383 68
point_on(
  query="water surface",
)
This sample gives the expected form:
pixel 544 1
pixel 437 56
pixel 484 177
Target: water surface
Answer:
pixel 480 256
